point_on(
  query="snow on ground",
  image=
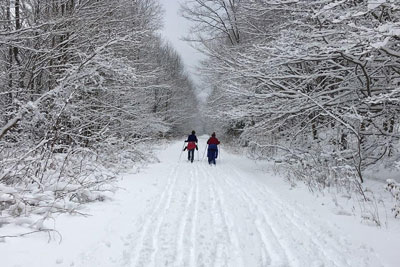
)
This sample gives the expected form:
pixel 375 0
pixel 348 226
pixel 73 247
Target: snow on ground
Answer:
pixel 177 213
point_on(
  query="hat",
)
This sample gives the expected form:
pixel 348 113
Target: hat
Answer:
pixel 213 134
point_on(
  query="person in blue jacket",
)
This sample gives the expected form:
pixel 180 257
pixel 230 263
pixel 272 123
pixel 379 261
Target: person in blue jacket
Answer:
pixel 191 146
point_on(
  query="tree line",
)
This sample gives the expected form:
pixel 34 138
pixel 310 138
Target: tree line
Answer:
pixel 314 83
pixel 84 85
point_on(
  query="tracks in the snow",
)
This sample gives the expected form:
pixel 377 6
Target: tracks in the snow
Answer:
pixel 289 236
pixel 217 216
pixel 146 246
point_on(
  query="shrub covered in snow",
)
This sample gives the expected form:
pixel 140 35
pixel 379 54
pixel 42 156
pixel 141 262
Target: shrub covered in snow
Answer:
pixel 394 189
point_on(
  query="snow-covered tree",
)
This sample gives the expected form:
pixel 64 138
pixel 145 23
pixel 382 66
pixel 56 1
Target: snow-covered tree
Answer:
pixel 315 81
pixel 83 85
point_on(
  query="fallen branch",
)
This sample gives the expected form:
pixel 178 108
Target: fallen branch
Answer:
pixel 48 231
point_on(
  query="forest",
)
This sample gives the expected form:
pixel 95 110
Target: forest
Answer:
pixel 88 87
pixel 313 85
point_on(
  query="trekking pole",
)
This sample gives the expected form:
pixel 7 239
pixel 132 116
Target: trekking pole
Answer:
pixel 180 155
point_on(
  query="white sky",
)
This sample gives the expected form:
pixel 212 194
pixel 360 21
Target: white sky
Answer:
pixel 175 28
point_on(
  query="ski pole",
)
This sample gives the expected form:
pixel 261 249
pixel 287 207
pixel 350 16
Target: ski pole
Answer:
pixel 204 153
pixel 180 155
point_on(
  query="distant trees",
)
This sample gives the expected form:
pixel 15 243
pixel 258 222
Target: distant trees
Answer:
pixel 82 82
pixel 315 83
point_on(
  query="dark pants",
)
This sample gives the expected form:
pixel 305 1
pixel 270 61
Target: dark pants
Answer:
pixel 191 155
pixel 212 155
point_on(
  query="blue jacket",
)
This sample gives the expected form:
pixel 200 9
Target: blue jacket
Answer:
pixel 191 138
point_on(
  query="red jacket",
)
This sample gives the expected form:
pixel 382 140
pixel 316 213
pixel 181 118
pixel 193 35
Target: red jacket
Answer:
pixel 213 141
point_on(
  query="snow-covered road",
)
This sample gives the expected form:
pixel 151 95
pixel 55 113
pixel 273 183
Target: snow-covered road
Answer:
pixel 177 213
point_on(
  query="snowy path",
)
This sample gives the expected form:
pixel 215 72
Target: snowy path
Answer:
pixel 182 214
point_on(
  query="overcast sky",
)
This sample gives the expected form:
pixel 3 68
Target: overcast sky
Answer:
pixel 175 28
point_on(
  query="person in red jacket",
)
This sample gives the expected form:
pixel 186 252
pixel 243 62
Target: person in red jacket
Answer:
pixel 191 146
pixel 212 152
